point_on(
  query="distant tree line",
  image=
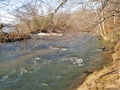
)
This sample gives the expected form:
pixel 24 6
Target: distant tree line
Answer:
pixel 101 16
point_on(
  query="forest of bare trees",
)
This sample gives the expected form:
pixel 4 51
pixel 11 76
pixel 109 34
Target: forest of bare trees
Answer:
pixel 100 16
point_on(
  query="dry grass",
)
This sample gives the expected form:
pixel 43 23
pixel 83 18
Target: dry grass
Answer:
pixel 106 79
pixel 17 36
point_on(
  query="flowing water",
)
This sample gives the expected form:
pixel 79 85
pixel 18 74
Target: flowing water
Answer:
pixel 48 62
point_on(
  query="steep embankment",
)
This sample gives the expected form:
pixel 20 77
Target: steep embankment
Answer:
pixel 106 79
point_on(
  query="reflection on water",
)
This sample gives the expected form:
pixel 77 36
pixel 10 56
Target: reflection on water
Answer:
pixel 48 63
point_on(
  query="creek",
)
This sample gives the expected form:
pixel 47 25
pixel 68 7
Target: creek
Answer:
pixel 49 62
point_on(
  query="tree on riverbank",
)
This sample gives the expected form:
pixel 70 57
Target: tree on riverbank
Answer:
pixel 101 16
pixel 36 18
pixel 107 16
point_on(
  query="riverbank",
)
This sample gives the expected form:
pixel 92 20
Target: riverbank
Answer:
pixel 13 36
pixel 106 79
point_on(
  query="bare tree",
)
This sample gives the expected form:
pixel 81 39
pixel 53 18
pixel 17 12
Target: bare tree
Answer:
pixel 106 13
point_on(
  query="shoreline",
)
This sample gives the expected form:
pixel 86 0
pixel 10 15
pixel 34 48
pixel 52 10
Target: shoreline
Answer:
pixel 81 78
pixel 106 78
pixel 13 37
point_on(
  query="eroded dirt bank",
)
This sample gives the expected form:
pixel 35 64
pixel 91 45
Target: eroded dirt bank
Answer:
pixel 107 78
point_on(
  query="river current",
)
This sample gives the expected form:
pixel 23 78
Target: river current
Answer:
pixel 49 62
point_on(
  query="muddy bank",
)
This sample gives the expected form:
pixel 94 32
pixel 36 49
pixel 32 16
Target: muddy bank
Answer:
pixel 107 78
pixel 12 37
pixel 82 77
